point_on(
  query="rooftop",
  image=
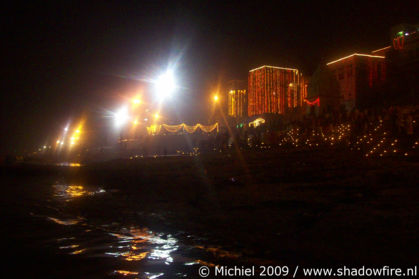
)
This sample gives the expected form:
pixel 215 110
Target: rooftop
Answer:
pixel 274 67
pixel 355 54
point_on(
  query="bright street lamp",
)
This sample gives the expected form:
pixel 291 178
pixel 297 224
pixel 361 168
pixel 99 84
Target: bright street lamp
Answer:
pixel 121 117
pixel 136 101
pixel 165 85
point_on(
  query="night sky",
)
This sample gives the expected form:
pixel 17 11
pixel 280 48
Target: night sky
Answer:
pixel 60 61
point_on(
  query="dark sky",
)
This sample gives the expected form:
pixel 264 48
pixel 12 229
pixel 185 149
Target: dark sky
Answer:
pixel 62 60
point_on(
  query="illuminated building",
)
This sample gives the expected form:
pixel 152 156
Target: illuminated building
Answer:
pixel 357 74
pixel 236 98
pixel 275 90
pixel 404 54
pixel 403 62
pixel 405 37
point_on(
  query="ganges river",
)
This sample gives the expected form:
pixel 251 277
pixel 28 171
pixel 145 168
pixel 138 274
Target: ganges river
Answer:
pixel 166 217
pixel 55 230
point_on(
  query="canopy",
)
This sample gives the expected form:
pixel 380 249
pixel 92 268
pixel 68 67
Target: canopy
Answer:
pixel 257 122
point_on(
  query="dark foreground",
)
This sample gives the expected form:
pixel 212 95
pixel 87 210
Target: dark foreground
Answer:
pixel 164 217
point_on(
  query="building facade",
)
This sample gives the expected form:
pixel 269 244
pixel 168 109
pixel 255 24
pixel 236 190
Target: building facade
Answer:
pixel 403 62
pixel 236 98
pixel 275 90
pixel 357 74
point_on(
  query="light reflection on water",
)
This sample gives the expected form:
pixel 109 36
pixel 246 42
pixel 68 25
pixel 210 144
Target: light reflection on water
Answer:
pixel 68 222
pixel 70 192
pixel 138 252
pixel 126 272
pixel 153 275
pixel 77 252
pixel 139 242
pixel 69 164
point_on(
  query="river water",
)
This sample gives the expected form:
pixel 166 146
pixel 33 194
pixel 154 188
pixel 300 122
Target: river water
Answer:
pixel 51 233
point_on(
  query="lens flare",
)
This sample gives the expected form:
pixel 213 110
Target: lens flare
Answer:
pixel 121 117
pixel 165 85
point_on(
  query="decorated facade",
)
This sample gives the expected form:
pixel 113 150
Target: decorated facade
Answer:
pixel 157 129
pixel 275 90
pixel 236 98
pixel 357 74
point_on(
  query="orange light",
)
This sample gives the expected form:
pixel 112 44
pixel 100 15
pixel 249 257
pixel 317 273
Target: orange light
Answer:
pixel 216 98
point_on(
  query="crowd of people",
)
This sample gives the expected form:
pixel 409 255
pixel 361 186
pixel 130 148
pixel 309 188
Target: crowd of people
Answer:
pixel 399 122
pixel 293 130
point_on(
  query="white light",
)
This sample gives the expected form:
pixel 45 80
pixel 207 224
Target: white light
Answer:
pixel 165 85
pixel 121 117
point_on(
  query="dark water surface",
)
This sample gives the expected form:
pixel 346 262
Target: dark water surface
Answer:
pixel 164 218
pixel 53 231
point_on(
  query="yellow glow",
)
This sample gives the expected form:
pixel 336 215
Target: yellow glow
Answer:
pixel 75 191
pixel 75 137
pixel 257 122
pixel 58 141
pixel 132 256
pixel 216 98
pixel 156 116
pixel 136 101
pixel 355 54
pixel 126 272
pixel 135 122
pixel 78 252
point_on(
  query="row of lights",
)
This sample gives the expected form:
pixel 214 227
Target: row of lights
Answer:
pixel 376 142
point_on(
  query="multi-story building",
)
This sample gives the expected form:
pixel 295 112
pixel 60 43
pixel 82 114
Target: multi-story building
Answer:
pixel 275 90
pixel 403 62
pixel 357 74
pixel 236 98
